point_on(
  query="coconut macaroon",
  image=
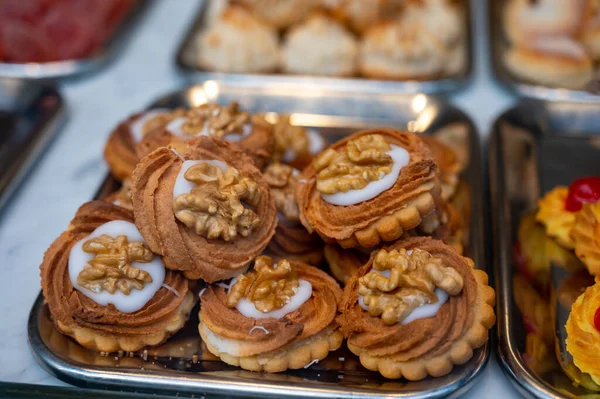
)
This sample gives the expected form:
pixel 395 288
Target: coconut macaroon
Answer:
pixel 554 61
pixel 277 316
pixel 281 13
pixel 207 210
pixel 319 46
pixel 238 42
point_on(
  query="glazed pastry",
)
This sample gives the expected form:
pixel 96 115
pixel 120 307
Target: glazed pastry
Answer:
pixel 238 42
pixel 291 240
pixel 448 163
pixel 395 50
pixel 415 309
pixel 583 332
pixel 106 289
pixel 207 210
pixel 119 151
pixel 281 13
pixel 249 133
pixel 555 61
pixel 525 20
pixel 122 197
pixel 276 317
pixel 344 263
pixel 553 215
pixel 584 194
pixel 295 145
pixel 319 46
pixel 369 187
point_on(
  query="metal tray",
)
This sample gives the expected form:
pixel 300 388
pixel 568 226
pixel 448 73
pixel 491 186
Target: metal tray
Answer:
pixel 68 68
pixel 533 148
pixel 498 44
pixel 184 366
pixel 361 85
pixel 30 115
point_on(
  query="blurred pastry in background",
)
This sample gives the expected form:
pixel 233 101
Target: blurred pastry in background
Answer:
pixel 295 145
pixel 553 215
pixel 238 42
pixel 281 14
pixel 344 263
pixel 448 163
pixel 122 197
pixel 591 30
pixel 359 15
pixel 319 46
pixel 586 230
pixel 555 61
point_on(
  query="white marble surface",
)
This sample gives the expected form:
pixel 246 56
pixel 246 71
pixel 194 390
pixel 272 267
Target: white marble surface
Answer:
pixel 70 172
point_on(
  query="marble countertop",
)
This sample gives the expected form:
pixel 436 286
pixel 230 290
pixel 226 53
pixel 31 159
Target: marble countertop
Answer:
pixel 72 168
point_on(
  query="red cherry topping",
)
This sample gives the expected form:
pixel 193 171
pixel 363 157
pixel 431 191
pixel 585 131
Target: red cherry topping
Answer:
pixel 583 191
pixel 597 320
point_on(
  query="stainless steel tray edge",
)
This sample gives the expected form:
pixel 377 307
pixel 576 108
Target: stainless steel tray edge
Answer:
pixel 362 85
pixel 497 42
pixel 162 381
pixel 69 68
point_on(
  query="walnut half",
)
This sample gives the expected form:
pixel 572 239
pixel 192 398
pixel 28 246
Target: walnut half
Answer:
pixel 112 268
pixel 412 281
pixel 215 120
pixel 268 287
pixel 289 139
pixel 221 205
pixel 362 161
pixel 282 181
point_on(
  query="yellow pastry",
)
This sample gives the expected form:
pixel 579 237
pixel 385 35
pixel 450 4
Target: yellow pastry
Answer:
pixel 553 215
pixel 586 236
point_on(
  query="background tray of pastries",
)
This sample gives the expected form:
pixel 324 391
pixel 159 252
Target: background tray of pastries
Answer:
pixel 547 49
pixel 30 116
pixel 41 39
pixel 184 362
pixel 377 46
pixel 545 187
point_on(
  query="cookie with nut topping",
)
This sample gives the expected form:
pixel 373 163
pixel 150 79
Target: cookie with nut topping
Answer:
pixel 106 289
pixel 250 133
pixel 417 308
pixel 278 316
pixel 369 188
pixel 207 209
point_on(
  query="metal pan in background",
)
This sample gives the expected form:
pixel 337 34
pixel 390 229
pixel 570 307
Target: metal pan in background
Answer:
pixel 498 45
pixel 534 147
pixel 186 55
pixel 30 115
pixel 69 68
pixel 183 366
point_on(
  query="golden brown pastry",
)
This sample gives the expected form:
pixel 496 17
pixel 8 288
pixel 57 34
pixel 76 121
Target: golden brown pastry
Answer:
pixel 295 145
pixel 583 332
pixel 276 317
pixel 120 149
pixel 291 240
pixel 344 262
pixel 207 210
pixel 449 165
pixel 106 289
pixel 586 236
pixel 415 309
pixel 122 197
pixel 281 13
pixel 369 187
pixel 555 217
pixel 251 134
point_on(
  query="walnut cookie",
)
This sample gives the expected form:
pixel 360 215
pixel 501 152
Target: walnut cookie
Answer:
pixel 368 188
pixel 416 308
pixel 207 210
pixel 250 133
pixel 291 240
pixel 106 289
pixel 273 318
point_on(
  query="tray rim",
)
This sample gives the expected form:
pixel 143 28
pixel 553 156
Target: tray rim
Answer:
pixel 95 376
pixel 517 85
pixel 512 364
pixel 443 85
pixel 55 70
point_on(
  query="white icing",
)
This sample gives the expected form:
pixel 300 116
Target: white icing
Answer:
pixel 183 186
pixel 316 142
pixel 136 298
pixel 173 290
pixel 259 328
pixel 311 363
pixel 174 151
pixel 302 294
pixel 222 344
pixel 201 292
pixel 176 127
pixel 137 126
pixel 400 157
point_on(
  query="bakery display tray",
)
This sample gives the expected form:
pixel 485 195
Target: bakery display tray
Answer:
pixel 30 115
pixel 68 68
pixel 534 147
pixel 183 366
pixel 186 55
pixel 498 44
